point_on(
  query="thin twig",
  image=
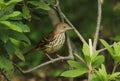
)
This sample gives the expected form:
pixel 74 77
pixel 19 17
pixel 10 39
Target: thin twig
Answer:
pixel 90 65
pixel 45 63
pixel 4 75
pixel 18 68
pixel 70 48
pixel 53 16
pixel 98 24
pixel 90 73
pixel 103 49
pixel 59 10
pixel 76 31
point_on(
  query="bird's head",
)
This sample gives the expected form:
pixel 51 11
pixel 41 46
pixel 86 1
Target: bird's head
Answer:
pixel 61 27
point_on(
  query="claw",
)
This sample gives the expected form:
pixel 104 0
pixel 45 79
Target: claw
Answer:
pixel 50 57
pixel 60 57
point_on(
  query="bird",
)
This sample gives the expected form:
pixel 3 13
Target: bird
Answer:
pixel 53 41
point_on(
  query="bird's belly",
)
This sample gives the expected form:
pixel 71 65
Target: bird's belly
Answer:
pixel 54 46
pixel 50 50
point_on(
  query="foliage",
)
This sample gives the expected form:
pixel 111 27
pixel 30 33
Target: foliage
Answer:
pixel 98 74
pixel 13 32
pixel 86 61
pixel 102 75
pixel 114 52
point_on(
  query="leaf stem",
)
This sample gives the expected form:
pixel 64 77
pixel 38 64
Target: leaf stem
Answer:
pixel 115 66
pixel 90 73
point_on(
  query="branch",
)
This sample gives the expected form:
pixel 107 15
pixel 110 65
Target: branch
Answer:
pixel 53 16
pixel 76 31
pixel 18 68
pixel 57 6
pixel 98 24
pixel 4 75
pixel 90 65
pixel 45 63
pixel 70 48
pixel 103 49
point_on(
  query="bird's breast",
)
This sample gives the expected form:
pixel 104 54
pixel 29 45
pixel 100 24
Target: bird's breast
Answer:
pixel 56 44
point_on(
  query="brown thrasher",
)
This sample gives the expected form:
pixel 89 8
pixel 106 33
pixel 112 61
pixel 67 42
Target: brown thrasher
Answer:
pixel 53 41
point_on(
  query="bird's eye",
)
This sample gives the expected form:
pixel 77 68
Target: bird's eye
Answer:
pixel 64 26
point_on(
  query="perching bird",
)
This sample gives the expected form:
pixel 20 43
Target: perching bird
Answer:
pixel 53 41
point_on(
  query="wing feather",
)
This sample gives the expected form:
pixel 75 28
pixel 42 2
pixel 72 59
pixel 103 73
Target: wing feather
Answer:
pixel 48 38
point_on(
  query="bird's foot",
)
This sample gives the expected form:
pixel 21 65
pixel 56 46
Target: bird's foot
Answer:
pixel 61 57
pixel 51 59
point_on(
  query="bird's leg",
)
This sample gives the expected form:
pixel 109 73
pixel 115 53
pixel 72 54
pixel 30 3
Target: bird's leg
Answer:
pixel 49 57
pixel 60 57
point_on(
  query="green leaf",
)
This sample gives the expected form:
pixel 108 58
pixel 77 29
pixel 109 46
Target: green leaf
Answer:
pixel 99 76
pixel 103 71
pixel 13 1
pixel 94 55
pixel 107 46
pixel 86 53
pixel 76 64
pixel 40 5
pixel 22 26
pixel 12 49
pixel 5 10
pixel 114 75
pixel 7 67
pixel 95 77
pixel 14 41
pixel 74 73
pixel 19 54
pixel 116 47
pixel 98 61
pixel 88 59
pixel 26 12
pixel 19 36
pixel 13 14
pixel 86 50
pixel 102 74
pixel 11 26
pixel 116 55
pixel 4 37
pixel 80 58
pixel 9 46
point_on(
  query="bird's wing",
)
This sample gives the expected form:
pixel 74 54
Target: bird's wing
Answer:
pixel 48 38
